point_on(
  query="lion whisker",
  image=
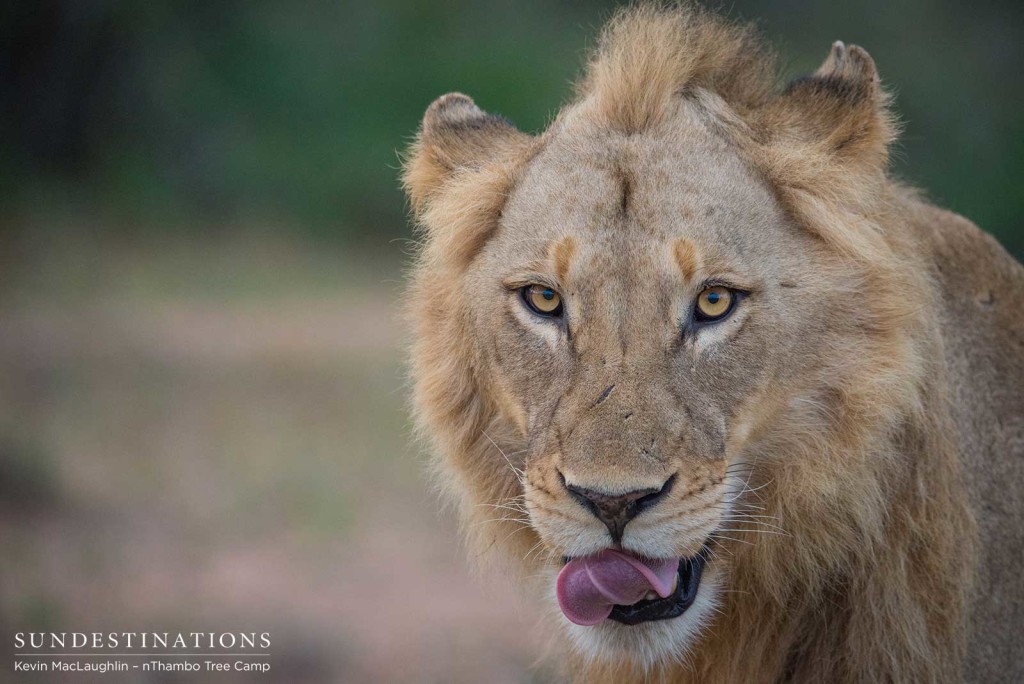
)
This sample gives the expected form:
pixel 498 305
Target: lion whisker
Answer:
pixel 755 531
pixel 520 475
pixel 716 535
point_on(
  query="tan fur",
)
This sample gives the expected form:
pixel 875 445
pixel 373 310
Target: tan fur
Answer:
pixel 561 254
pixel 834 441
pixel 686 257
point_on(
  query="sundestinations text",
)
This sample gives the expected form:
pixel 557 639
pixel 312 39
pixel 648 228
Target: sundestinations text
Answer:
pixel 143 640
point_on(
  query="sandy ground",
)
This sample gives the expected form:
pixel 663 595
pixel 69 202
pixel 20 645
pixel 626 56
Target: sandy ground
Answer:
pixel 207 437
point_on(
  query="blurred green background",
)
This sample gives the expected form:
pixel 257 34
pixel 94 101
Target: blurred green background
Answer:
pixel 195 115
pixel 201 237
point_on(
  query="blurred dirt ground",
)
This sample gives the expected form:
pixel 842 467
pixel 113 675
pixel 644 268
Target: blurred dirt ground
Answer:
pixel 210 435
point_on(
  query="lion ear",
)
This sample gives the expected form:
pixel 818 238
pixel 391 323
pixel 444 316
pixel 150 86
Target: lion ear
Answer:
pixel 840 110
pixel 455 135
pixel 826 144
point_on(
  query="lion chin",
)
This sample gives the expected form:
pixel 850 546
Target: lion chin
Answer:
pixel 734 404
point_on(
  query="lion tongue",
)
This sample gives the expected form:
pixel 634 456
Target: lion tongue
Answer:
pixel 589 587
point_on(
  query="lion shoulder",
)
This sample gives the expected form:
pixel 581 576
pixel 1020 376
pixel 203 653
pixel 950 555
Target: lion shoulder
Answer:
pixel 981 302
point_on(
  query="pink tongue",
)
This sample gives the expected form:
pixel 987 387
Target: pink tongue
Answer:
pixel 588 587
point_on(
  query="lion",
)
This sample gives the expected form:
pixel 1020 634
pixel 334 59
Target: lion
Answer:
pixel 731 402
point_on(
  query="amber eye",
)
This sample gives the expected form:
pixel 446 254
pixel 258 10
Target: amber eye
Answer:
pixel 714 304
pixel 542 300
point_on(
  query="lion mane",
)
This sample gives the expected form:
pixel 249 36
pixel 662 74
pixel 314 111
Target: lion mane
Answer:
pixel 891 469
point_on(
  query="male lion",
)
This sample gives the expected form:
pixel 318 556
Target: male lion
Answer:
pixel 740 405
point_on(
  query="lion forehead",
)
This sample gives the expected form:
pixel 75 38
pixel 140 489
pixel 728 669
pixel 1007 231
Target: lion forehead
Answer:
pixel 608 189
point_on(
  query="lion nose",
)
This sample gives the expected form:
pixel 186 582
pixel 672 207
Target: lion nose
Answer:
pixel 616 510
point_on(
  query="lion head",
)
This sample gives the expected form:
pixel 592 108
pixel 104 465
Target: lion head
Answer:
pixel 666 349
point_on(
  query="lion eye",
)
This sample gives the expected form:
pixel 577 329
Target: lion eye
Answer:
pixel 714 304
pixel 542 300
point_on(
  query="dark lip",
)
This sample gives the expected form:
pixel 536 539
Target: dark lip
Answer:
pixel 690 572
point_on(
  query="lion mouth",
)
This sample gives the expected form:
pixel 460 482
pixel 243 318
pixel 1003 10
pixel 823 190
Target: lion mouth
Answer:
pixel 687 582
pixel 626 588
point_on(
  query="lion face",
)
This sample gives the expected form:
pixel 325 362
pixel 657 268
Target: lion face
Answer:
pixel 662 348
pixel 633 395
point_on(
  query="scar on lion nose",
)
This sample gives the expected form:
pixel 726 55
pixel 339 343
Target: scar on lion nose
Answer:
pixel 604 395
pixel 616 510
